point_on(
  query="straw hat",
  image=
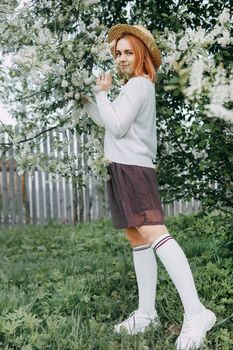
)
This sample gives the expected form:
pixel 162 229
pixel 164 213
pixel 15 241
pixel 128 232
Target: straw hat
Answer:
pixel 140 32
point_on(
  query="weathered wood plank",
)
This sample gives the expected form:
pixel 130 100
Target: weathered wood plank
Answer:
pixel 5 197
pixel 33 198
pixel 68 200
pixel 41 193
pixel 74 190
pixel 19 197
pixel 86 188
pixel 26 198
pixel 11 189
pixel 47 187
pixel 80 207
pixel 54 194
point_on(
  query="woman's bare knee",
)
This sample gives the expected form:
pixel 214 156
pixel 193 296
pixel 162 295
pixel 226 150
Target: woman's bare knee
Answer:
pixel 151 232
pixel 134 237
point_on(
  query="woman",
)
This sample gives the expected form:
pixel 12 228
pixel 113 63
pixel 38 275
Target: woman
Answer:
pixel 130 147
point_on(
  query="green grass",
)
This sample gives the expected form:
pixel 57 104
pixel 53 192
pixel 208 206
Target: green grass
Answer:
pixel 64 287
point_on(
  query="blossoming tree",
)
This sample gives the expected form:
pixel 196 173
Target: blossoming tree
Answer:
pixel 54 49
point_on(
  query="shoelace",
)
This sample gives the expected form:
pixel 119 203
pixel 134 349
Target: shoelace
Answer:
pixel 130 316
pixel 187 325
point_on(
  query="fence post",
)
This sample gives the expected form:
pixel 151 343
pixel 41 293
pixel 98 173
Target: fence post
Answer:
pixel 80 189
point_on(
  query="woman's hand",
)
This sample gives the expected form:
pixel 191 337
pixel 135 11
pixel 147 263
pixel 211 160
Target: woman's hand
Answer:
pixel 104 82
pixel 85 98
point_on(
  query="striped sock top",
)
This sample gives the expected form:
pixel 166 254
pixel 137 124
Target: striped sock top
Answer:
pixel 141 247
pixel 160 241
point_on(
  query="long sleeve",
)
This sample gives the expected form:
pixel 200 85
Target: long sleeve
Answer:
pixel 119 115
pixel 93 111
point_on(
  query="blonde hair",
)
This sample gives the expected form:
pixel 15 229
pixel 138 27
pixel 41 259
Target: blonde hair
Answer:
pixel 143 62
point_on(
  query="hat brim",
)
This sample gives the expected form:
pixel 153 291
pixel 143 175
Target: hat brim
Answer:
pixel 118 30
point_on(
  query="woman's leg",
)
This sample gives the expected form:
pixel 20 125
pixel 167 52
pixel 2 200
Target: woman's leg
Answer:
pixel 176 264
pixel 146 273
pixel 146 270
pixel 198 320
pixel 134 237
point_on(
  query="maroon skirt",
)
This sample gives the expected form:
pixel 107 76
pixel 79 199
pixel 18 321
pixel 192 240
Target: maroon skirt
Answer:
pixel 133 196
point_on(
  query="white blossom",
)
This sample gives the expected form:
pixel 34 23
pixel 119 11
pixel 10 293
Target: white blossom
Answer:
pixel 170 59
pixel 46 67
pixel 90 2
pixel 224 16
pixel 112 44
pixel 64 83
pixel 26 56
pixel 69 95
pixel 35 77
pixel 171 38
pixel 77 96
pixel 230 87
pixel 218 92
pixel 183 44
pixel 195 80
pixel 93 25
pixel 219 111
pixel 224 39
pixel 44 36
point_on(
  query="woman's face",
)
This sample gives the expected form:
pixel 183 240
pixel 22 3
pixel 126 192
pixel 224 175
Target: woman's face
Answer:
pixel 125 58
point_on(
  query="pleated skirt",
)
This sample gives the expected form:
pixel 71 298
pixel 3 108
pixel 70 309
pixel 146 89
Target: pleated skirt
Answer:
pixel 133 196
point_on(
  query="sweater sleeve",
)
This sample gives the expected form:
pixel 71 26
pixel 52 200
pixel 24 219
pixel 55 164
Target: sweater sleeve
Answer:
pixel 119 115
pixel 93 111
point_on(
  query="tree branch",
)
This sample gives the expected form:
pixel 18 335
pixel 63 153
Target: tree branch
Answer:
pixel 28 96
pixel 30 138
pixel 226 211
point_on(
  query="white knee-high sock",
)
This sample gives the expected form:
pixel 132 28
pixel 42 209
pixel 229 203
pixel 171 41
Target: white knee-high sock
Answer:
pixel 177 266
pixel 146 272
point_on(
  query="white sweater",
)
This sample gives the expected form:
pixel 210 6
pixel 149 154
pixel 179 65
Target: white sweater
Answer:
pixel 129 122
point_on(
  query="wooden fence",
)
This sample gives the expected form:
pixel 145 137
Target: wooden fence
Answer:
pixel 34 198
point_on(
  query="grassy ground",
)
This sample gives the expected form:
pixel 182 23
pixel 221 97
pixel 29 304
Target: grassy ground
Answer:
pixel 64 287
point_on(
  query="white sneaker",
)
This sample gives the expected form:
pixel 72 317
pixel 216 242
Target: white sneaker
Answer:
pixel 194 330
pixel 136 323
